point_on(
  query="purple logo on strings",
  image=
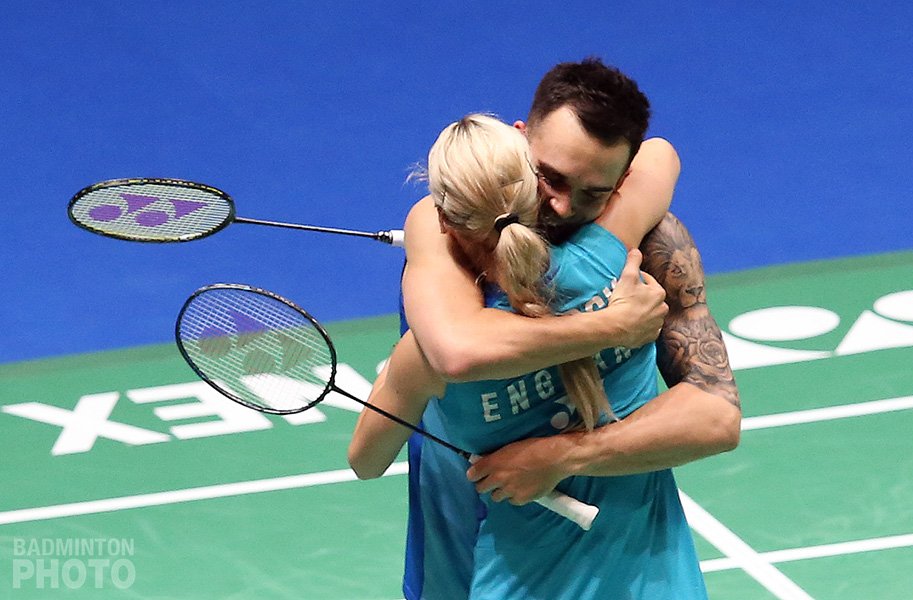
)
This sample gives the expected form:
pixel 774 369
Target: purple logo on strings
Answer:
pixel 148 218
pixel 215 342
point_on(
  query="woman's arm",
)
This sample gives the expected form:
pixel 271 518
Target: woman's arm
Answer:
pixel 403 388
pixel 645 196
pixel 466 342
pixel 698 416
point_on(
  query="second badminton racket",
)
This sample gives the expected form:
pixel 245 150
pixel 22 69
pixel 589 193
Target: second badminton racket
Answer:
pixel 265 352
pixel 174 210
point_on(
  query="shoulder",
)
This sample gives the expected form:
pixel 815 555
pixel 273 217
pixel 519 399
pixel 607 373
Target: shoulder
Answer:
pixel 592 236
pixel 423 207
pixel 592 244
pixel 671 256
pixel 423 232
pixel 661 150
pixel 668 239
pixel 422 215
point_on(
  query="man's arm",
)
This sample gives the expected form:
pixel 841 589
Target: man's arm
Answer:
pixel 465 342
pixel 698 416
pixel 690 348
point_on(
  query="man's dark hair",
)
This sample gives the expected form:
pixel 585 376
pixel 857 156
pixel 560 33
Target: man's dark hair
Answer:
pixel 607 102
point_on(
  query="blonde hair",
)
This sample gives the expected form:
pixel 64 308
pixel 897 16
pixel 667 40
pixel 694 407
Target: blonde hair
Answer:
pixel 481 178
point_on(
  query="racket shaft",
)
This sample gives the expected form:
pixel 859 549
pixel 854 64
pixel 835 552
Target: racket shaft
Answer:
pixel 570 508
pixel 404 423
pixel 389 237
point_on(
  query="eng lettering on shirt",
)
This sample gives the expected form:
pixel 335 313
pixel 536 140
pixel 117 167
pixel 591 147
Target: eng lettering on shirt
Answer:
pixel 515 397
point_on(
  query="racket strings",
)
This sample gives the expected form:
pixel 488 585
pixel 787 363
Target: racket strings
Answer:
pixel 149 211
pixel 293 361
pixel 257 348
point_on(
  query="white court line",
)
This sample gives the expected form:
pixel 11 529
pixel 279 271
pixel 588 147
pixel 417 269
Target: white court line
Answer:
pixel 827 414
pixel 186 495
pixel 823 551
pixel 305 480
pixel 760 566
pixel 741 554
pixel 697 515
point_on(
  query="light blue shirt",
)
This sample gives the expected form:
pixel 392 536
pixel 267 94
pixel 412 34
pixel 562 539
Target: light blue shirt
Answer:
pixel 639 546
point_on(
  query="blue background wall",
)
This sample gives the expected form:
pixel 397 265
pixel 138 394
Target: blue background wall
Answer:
pixel 793 122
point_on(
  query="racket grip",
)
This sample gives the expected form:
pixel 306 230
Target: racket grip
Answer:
pixel 397 238
pixel 570 508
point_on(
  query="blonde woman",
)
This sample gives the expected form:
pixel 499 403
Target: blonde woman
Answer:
pixel 484 187
pixel 481 176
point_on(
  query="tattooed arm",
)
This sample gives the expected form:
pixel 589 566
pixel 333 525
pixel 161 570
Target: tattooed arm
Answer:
pixel 690 348
pixel 698 416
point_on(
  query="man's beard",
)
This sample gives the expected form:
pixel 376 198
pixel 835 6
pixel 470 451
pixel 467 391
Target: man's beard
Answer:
pixel 558 233
pixel 555 229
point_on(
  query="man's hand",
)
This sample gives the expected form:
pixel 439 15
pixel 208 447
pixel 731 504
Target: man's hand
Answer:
pixel 698 416
pixel 638 305
pixel 520 472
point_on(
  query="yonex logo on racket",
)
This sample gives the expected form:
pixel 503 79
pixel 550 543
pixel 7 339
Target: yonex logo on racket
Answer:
pixel 135 203
pixel 151 210
pixel 256 348
pixel 174 210
pixel 264 346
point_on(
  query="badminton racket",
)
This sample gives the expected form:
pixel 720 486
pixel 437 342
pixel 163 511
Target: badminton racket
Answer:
pixel 264 352
pixel 173 210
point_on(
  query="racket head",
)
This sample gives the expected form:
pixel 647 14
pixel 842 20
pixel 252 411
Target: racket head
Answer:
pixel 256 347
pixel 151 210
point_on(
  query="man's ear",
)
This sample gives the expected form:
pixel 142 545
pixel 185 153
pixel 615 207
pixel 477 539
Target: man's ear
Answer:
pixel 521 126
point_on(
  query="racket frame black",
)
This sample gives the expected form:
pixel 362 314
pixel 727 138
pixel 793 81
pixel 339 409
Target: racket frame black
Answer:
pixel 229 218
pixel 330 382
pixel 389 236
pixel 228 392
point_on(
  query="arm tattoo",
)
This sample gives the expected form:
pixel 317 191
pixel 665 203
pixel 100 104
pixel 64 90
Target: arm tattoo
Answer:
pixel 690 347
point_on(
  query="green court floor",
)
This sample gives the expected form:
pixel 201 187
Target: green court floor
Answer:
pixel 124 477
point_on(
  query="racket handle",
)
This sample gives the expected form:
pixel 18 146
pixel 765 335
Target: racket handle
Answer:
pixel 394 237
pixel 572 509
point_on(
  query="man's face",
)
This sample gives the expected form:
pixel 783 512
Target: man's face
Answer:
pixel 577 172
